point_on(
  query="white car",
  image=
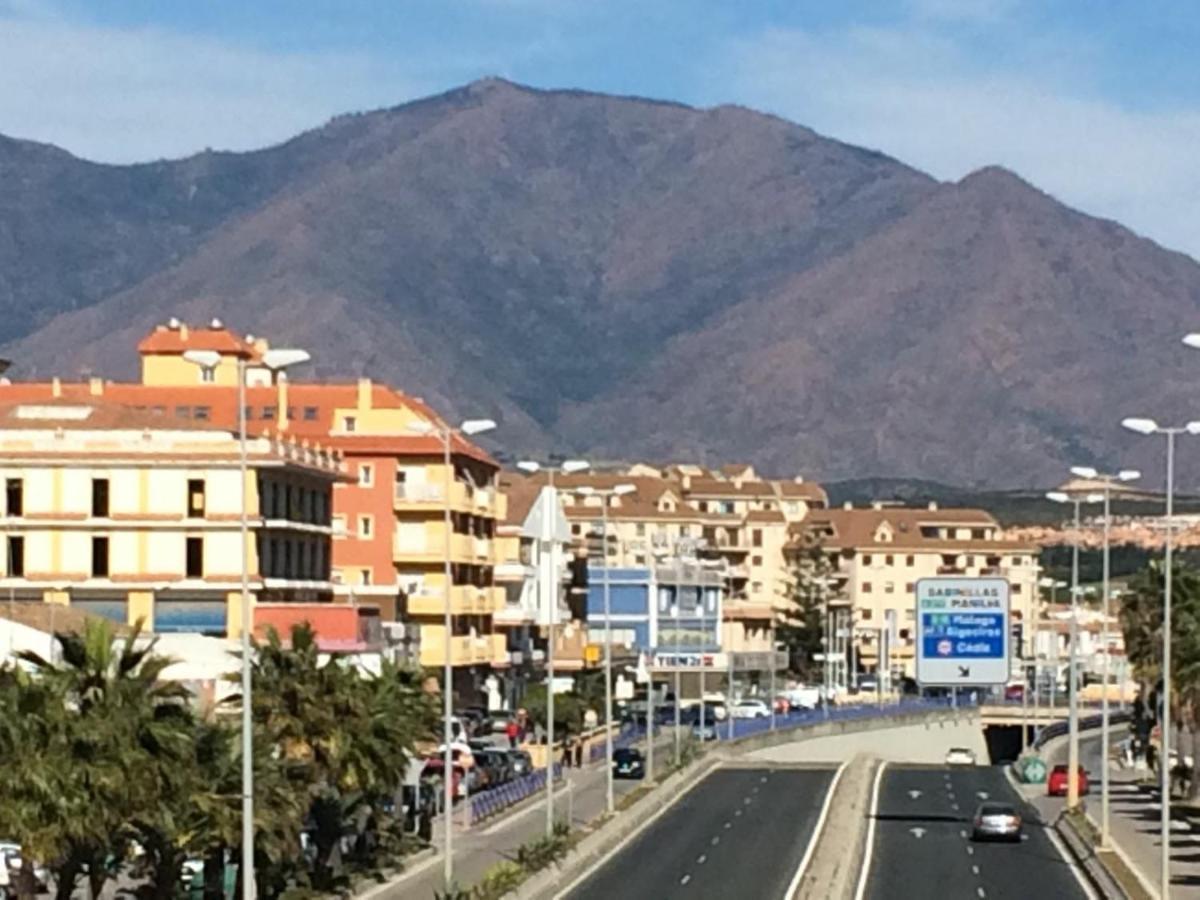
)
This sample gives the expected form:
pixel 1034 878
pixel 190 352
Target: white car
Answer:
pixel 960 756
pixel 804 698
pixel 751 709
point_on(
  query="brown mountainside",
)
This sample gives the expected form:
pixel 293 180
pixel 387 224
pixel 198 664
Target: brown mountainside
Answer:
pixel 627 278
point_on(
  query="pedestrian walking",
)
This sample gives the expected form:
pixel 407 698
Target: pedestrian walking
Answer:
pixel 513 730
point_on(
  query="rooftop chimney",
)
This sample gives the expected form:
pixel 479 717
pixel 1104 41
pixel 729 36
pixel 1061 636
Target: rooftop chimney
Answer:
pixel 55 387
pixel 96 386
pixel 876 504
pixel 932 505
pixel 364 393
pixel 847 505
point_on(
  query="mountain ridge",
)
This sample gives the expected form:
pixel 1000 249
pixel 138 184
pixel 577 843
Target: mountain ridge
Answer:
pixel 626 277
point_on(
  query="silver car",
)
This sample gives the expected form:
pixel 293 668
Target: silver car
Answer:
pixel 997 822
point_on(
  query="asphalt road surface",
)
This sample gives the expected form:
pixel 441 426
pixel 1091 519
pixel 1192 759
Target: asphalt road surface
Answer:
pixel 740 833
pixel 923 845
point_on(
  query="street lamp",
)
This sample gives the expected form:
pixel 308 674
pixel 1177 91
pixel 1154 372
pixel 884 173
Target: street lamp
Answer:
pixel 1147 427
pixel 276 361
pixel 550 595
pixel 605 495
pixel 1107 480
pixel 446 434
pixel 1073 655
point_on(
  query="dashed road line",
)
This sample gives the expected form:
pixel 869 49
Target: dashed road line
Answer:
pixel 685 879
pixel 700 859
pixel 716 840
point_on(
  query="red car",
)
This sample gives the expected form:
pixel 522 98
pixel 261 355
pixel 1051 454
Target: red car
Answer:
pixel 1014 692
pixel 1056 784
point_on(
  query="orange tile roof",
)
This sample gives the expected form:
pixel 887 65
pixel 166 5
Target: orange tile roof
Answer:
pixel 44 415
pixel 319 400
pixel 167 340
pixel 856 528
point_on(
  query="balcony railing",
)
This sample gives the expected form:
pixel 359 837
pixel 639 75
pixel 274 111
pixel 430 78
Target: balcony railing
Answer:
pixel 951 570
pixel 418 493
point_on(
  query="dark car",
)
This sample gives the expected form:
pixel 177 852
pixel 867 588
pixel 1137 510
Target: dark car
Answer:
pixel 496 764
pixel 521 762
pixel 628 763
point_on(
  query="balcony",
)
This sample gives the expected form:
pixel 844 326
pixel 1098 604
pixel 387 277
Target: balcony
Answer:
pixel 465 650
pixel 951 570
pixel 465 600
pixel 417 494
pixel 482 548
pixel 433 548
pixel 738 573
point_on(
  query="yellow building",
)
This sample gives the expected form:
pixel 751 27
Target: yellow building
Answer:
pixel 878 554
pixel 128 515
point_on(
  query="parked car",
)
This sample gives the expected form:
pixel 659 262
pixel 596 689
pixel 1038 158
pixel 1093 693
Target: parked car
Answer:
pixel 11 859
pixel 960 756
pixel 1057 786
pixel 804 697
pixel 1014 692
pixel 996 821
pixel 434 767
pixel 869 683
pixel 496 766
pixel 751 709
pixel 628 763
pixel 521 762
pixel 705 730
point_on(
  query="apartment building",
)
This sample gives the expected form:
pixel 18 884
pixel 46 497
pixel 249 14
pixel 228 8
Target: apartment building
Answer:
pixel 533 519
pixel 129 515
pixel 389 534
pixel 879 553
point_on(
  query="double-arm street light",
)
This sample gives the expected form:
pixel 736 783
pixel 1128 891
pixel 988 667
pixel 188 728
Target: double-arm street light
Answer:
pixel 606 495
pixel 1149 426
pixel 447 434
pixel 276 361
pixel 1107 480
pixel 550 595
pixel 1073 671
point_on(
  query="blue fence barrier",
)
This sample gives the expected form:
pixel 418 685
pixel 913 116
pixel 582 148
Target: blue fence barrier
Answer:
pixel 488 803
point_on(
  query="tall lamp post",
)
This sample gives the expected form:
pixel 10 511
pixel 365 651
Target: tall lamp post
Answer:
pixel 1149 426
pixel 606 496
pixel 550 593
pixel 447 434
pixel 1073 652
pixel 276 361
pixel 1107 480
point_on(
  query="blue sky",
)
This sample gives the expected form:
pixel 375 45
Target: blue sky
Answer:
pixel 1096 101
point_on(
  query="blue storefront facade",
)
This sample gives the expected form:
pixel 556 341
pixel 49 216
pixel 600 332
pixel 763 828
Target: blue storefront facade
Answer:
pixel 661 609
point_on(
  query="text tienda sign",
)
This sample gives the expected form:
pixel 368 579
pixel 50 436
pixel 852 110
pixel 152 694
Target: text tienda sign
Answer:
pixel 962 631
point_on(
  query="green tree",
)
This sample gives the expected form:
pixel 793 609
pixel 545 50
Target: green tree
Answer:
pixel 569 710
pixel 800 624
pixel 1141 617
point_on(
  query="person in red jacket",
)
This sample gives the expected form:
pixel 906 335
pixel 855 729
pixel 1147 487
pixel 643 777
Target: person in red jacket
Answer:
pixel 513 730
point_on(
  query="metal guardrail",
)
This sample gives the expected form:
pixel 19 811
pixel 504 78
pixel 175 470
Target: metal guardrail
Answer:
pixel 488 803
pixel 1085 722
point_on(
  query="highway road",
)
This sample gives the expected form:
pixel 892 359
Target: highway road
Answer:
pixel 923 847
pixel 740 833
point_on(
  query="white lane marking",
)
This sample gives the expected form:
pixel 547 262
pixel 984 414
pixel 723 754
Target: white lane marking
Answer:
pixel 727 825
pixel 980 891
pixel 861 890
pixel 962 834
pixel 746 801
pixel 633 835
pixel 738 812
pixel 763 779
pixel 913 795
pixel 686 878
pixel 974 870
pixel 917 832
pixel 794 887
pixel 717 840
pixel 701 858
pixel 970 850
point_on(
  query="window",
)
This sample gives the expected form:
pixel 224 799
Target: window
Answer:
pixel 889 560
pixel 291 412
pixel 248 412
pixel 889 587
pixel 208 374
pixel 14 496
pixel 350 423
pixel 203 413
pixel 366 526
pixel 16 557
pixel 756 560
pixel 910 561
pixel 99 557
pixel 366 475
pixel 866 559
pixel 756 587
pixel 970 561
pixel 1016 588
pixel 100 498
pixel 195 557
pixel 641 529
pixel 756 537
pixel 364 576
pixel 639 559
pixel 183 412
pixel 866 588
pixel 310 414
pixel 576 528
pixel 195 497
pixel 904 632
pixel 268 412
pixel 910 587
pixel 868 614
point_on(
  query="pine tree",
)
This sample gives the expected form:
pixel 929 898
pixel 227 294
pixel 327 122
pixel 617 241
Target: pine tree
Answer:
pixel 800 624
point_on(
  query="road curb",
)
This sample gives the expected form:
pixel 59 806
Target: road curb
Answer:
pixel 412 864
pixel 1088 860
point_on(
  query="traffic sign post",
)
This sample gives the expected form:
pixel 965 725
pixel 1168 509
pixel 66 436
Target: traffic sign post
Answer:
pixel 963 632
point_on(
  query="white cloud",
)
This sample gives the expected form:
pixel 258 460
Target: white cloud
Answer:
pixel 919 96
pixel 122 95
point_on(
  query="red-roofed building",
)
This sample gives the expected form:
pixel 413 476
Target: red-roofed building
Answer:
pixel 390 540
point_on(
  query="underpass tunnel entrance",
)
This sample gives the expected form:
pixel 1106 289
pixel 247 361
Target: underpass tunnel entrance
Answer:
pixel 1004 742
